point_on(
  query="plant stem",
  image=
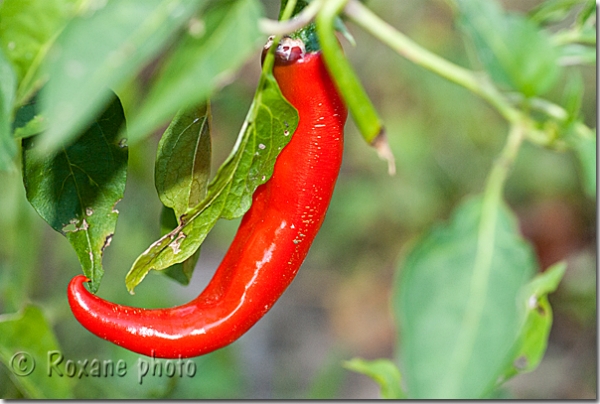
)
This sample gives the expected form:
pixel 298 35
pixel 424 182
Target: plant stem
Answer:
pixel 387 34
pixel 553 111
pixel 354 95
pixel 358 102
pixel 286 27
pixel 502 166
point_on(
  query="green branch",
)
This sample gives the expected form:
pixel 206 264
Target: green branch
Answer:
pixel 477 83
pixel 358 102
pixel 346 81
pixel 387 34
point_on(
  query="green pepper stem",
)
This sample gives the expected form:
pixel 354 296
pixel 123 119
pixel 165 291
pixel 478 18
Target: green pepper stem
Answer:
pixel 358 102
pixel 354 95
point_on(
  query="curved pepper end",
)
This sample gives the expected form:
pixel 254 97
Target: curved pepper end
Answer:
pixel 78 281
pixel 76 288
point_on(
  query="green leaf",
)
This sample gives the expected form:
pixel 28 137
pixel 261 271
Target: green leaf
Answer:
pixel 182 168
pixel 551 11
pixel 76 190
pixel 21 235
pixel 579 137
pixel 514 50
pixel 27 340
pixel 576 54
pixel 8 86
pixel 587 16
pixel 585 149
pixel 181 272
pixel 384 372
pixel 101 50
pixel 533 340
pixel 572 98
pixel 458 325
pixel 28 121
pixel 340 27
pixel 27 30
pixel 205 59
pixel 265 132
pixel 182 171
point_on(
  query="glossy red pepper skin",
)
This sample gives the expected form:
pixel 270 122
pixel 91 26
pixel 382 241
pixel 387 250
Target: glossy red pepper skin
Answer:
pixel 271 243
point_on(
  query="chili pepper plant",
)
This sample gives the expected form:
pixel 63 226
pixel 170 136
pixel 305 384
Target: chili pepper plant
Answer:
pixel 444 254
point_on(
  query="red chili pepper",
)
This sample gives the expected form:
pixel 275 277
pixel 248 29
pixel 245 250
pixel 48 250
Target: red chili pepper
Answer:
pixel 270 245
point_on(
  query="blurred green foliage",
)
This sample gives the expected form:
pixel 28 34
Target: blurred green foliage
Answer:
pixel 445 140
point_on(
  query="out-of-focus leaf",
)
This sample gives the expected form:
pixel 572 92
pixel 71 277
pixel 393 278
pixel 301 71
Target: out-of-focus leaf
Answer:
pixel 28 121
pixel 265 132
pixel 576 54
pixel 460 321
pixel 34 127
pixel 573 95
pixel 553 10
pixel 27 30
pixel 587 16
pixel 8 86
pixel 27 340
pixel 101 50
pixel 585 149
pixel 579 137
pixel 76 190
pixel 531 345
pixel 514 50
pixel 343 30
pixel 384 372
pixel 206 58
pixel 21 235
pixel 329 379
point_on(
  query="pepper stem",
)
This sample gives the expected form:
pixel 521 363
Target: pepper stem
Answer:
pixel 359 104
pixel 306 33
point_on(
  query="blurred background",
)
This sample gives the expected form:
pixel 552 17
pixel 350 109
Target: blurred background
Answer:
pixel 444 140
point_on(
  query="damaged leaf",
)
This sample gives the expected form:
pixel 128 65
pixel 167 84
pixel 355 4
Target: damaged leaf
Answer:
pixel 181 175
pixel 264 134
pixel 76 189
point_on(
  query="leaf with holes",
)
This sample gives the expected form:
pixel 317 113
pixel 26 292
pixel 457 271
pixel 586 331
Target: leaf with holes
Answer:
pixel 533 340
pixel 181 175
pixel 265 132
pixel 76 190
pixel 181 272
